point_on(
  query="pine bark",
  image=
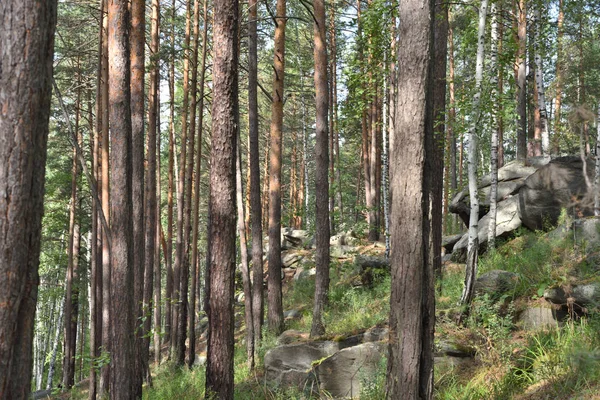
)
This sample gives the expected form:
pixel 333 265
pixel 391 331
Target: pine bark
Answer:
pixel 254 167
pixel 539 83
pixel 219 368
pixel 275 314
pixel 410 362
pixel 122 351
pixel 151 195
pixel 322 232
pixel 196 211
pixel 26 48
pixel 559 78
pixel 137 42
pixel 72 289
pixel 180 244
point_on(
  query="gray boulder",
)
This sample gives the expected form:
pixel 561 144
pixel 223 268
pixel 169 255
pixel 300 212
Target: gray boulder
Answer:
pixel 495 283
pixel 291 336
pixel 290 258
pixel 342 374
pixel 559 184
pixel 507 221
pixel 289 365
pixel 581 296
pixel 302 273
pixel 537 318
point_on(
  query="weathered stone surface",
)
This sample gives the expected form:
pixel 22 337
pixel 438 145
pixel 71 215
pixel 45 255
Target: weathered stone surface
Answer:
pixel 290 258
pixel 289 365
pixel 292 314
pixel 448 242
pixel 291 336
pixel 507 221
pixel 342 251
pixel 586 233
pixel 587 295
pixel 557 185
pixel 537 318
pixel 342 374
pixel 302 273
pixel 511 178
pixel 453 349
pixel 496 282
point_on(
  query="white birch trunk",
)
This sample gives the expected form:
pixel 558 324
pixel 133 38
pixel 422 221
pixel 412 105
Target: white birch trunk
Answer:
pixel 494 144
pixel 539 81
pixel 473 243
pixel 57 336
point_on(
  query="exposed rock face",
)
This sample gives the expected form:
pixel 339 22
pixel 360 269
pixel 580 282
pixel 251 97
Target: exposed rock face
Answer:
pixel 342 374
pixel 507 220
pixel 537 318
pixel 581 296
pixel 495 283
pixel 289 365
pixel 559 184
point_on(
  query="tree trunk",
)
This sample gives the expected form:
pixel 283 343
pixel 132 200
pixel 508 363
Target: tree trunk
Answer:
pixel 196 211
pixel 521 82
pixel 27 43
pixel 410 362
pixel 539 82
pixel 137 43
pixel 159 237
pixel 52 363
pixel 495 98
pixel 219 367
pixel 275 314
pixel 473 244
pixel 597 177
pixel 241 228
pixel 151 194
pixel 106 263
pixel 180 244
pixel 96 261
pixel 72 291
pixel 321 184
pixel 440 52
pixel 169 255
pixel 559 79
pixel 254 161
pixel 122 379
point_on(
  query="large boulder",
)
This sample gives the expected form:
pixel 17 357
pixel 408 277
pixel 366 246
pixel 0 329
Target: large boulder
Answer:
pixel 559 184
pixel 289 365
pixel 511 178
pixel 580 296
pixel 507 220
pixel 342 374
pixel 495 283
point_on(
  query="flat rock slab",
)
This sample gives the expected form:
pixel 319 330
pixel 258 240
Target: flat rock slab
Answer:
pixel 342 374
pixel 290 365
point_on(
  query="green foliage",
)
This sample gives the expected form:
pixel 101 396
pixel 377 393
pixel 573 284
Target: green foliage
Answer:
pixel 170 383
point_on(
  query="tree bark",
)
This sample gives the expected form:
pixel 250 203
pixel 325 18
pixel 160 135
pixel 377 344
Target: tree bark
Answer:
pixel 72 290
pixel 137 43
pixel 539 82
pixel 151 213
pixel 219 368
pixel 322 232
pixel 495 68
pixel 521 82
pixel 122 352
pixel 559 79
pixel 410 362
pixel 180 244
pixel 26 48
pixel 275 314
pixel 473 244
pixel 254 161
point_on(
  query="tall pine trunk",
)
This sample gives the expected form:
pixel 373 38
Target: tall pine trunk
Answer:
pixel 322 232
pixel 122 371
pixel 410 362
pixel 27 43
pixel 221 246
pixel 275 314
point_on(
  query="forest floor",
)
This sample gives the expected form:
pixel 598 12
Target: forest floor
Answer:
pixel 510 361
